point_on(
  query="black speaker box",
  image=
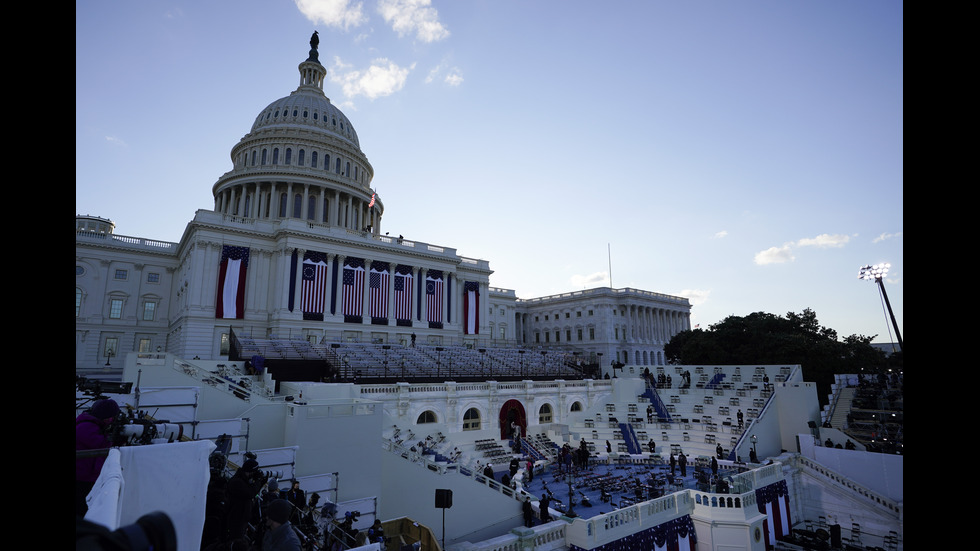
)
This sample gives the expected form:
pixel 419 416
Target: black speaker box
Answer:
pixel 444 499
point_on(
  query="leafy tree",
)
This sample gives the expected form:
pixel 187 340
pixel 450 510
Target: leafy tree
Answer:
pixel 762 338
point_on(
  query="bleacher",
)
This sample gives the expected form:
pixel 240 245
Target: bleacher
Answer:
pixel 381 362
pixel 694 418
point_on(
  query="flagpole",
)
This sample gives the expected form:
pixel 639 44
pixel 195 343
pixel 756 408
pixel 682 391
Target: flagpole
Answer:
pixel 609 249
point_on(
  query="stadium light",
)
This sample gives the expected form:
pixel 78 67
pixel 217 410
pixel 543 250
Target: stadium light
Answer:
pixel 876 273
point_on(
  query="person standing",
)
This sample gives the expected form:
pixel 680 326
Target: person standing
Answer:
pixel 279 534
pixel 528 512
pixel 673 463
pixel 90 434
pixel 241 491
pixel 682 461
pixel 545 513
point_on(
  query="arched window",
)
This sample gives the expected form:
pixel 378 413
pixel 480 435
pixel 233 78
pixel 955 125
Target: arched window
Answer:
pixel 326 209
pixel 576 406
pixel 253 157
pixel 544 414
pixel 302 157
pixel 355 171
pixel 313 158
pixel 275 156
pixel 238 201
pixel 471 419
pixel 289 155
pixel 282 204
pixel 248 203
pixel 347 170
pixel 326 162
pixel 297 206
pixel 337 167
pixel 311 215
pixel 78 302
pixel 264 153
pixel 426 417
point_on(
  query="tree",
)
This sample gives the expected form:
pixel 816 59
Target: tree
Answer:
pixel 763 338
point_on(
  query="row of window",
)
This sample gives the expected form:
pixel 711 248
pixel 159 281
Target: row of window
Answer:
pixel 110 347
pixel 347 217
pixel 343 168
pixel 568 315
pixel 116 305
pixel 121 274
pixel 568 335
pixel 471 418
pixel 345 130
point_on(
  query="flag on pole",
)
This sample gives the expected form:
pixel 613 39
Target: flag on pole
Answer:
pixel 371 204
pixel 231 283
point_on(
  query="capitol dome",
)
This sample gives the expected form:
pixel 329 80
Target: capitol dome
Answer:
pixel 301 159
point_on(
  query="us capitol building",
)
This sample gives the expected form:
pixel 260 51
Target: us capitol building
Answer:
pixel 294 249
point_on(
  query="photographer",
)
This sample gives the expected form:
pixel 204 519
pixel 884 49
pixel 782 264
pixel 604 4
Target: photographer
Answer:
pixel 279 534
pixel 90 434
pixel 241 492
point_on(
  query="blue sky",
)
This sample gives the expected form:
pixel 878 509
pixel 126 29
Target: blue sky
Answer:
pixel 747 155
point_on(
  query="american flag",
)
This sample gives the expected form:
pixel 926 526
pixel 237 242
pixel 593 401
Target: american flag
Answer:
pixel 314 282
pixel 433 296
pixel 403 296
pixel 379 291
pixel 231 282
pixel 353 287
pixel 371 204
pixel 471 308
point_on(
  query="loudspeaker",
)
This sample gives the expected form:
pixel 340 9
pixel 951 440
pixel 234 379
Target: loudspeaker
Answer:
pixel 835 536
pixel 444 499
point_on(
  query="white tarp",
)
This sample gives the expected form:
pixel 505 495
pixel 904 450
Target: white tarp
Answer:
pixel 137 480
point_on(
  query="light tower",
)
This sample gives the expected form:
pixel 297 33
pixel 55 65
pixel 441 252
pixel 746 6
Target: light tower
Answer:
pixel 875 273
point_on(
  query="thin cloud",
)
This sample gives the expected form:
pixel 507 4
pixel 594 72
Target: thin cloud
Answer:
pixel 383 78
pixel 342 14
pixel 824 240
pixel 115 141
pixel 722 233
pixel 886 236
pixel 413 16
pixel 696 296
pixel 591 280
pixel 775 255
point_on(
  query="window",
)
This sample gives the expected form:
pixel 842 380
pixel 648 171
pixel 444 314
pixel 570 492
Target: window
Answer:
pixel 326 208
pixel 578 314
pixel 311 215
pixel 591 333
pixel 78 302
pixel 264 155
pixel 537 337
pixel 471 419
pixel 547 337
pixel 289 155
pixel 121 274
pixel 546 317
pixel 617 333
pixel 149 309
pixel 282 205
pixel 568 335
pixel 544 414
pixel 115 308
pixel 253 158
pixel 426 417
pixel 590 312
pixel 297 206
pixel 579 334
pixel 503 332
pixel 501 311
pixel 326 162
pixel 577 406
pixel 111 347
pixel 567 315
pixel 557 336
pixel 275 156
pixel 225 345
pixel 79 270
pixel 337 166
pixel 312 158
pixel 144 345
pixel 302 157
